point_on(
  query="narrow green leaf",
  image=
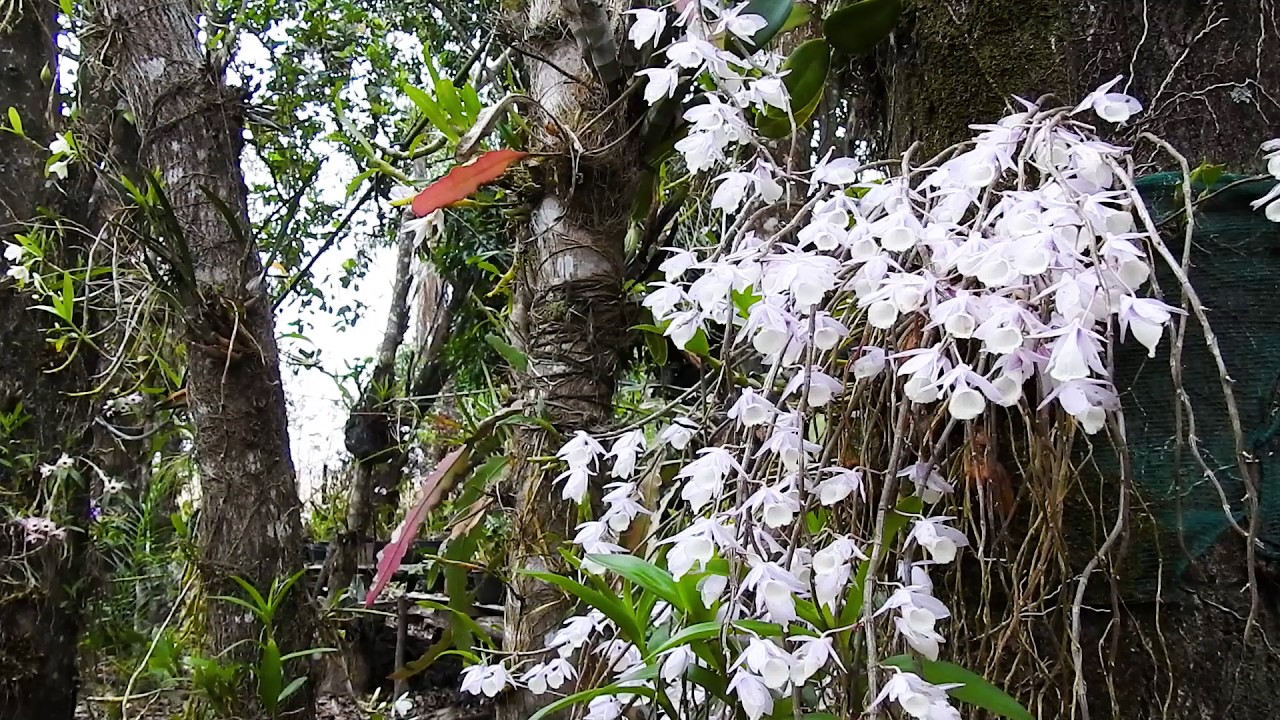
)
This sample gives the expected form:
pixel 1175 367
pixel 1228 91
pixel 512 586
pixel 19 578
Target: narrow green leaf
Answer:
pixel 613 608
pixel 975 691
pixel 462 617
pixel 514 357
pixel 358 180
pixel 431 110
pixel 858 27
pixel 807 78
pixel 242 603
pixel 252 592
pixel 68 296
pixel 588 695
pixel 292 688
pixel 304 653
pixel 690 634
pixel 471 101
pixel 15 121
pixel 647 328
pixel 761 628
pixel 447 96
pixel 645 574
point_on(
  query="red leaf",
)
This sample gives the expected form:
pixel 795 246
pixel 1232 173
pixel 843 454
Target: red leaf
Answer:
pixel 393 554
pixel 463 180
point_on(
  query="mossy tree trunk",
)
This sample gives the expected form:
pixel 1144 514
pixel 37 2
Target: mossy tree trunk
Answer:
pixel 569 306
pixel 191 128
pixel 1208 75
pixel 41 588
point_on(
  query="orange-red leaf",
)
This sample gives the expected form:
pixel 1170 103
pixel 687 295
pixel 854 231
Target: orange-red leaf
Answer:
pixel 463 180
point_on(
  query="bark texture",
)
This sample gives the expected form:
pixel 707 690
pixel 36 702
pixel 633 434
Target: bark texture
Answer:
pixel 1208 75
pixel 568 316
pixel 40 595
pixel 190 125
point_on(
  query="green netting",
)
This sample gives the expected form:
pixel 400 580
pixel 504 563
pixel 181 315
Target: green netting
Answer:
pixel 1235 269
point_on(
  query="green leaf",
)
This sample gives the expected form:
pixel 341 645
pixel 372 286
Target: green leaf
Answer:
pixel 509 352
pixel 976 691
pixel 292 688
pixel 647 328
pixel 613 608
pixel 253 593
pixel 1207 174
pixel 805 81
pixel 305 653
pixel 698 344
pixel 15 121
pixel 270 676
pixel 471 101
pixel 761 628
pixel 745 300
pixel 657 348
pixel 242 603
pixel 431 110
pixel 588 695
pixel 447 96
pixel 858 27
pixel 775 14
pixel 800 15
pixel 645 574
pixel 692 633
pixel 358 180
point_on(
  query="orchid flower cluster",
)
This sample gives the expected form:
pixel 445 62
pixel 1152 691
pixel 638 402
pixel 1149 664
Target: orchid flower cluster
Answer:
pixel 993 276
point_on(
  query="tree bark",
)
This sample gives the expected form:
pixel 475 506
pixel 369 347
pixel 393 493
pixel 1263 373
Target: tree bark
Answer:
pixel 40 596
pixel 190 123
pixel 1208 75
pixel 568 313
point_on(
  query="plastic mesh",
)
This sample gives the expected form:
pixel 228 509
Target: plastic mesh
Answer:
pixel 1235 269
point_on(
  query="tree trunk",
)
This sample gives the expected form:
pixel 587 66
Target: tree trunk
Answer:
pixel 40 596
pixel 568 315
pixel 1208 75
pixel 190 123
pixel 370 429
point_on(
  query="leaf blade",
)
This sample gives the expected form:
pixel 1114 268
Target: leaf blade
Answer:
pixel 463 180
